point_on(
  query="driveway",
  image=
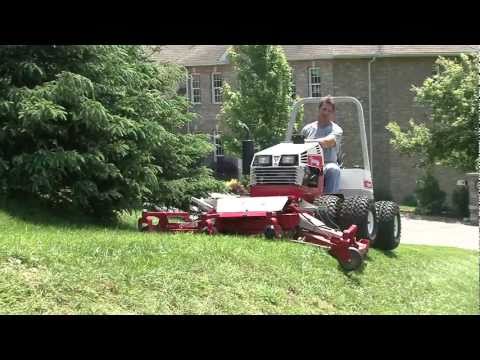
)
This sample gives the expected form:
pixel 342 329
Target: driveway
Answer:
pixel 427 232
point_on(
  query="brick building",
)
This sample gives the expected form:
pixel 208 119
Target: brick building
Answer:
pixel 380 76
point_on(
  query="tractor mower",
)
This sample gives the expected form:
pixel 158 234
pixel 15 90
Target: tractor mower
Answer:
pixel 287 201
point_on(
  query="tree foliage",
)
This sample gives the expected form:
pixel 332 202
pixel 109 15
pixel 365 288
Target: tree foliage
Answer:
pixel 451 137
pixel 96 127
pixel 260 102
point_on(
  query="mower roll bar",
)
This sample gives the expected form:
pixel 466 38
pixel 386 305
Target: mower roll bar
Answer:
pixel 337 100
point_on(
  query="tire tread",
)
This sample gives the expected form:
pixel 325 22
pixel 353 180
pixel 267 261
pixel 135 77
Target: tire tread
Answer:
pixel 354 210
pixel 328 207
pixel 386 213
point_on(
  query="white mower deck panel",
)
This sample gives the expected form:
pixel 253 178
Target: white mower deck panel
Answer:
pixel 251 204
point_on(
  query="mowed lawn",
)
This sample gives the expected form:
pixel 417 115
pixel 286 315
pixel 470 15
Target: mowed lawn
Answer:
pixel 50 266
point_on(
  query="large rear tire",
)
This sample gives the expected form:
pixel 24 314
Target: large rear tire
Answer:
pixel 389 225
pixel 328 207
pixel 360 211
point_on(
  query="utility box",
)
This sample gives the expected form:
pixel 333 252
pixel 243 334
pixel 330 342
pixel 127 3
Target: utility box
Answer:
pixel 472 183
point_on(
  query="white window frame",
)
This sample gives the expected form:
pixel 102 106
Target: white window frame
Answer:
pixel 216 87
pixel 218 145
pixel 191 89
pixel 311 84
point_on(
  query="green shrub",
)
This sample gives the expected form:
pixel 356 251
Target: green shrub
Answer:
pixel 410 200
pixel 429 196
pixel 460 201
pixel 245 181
pixel 235 186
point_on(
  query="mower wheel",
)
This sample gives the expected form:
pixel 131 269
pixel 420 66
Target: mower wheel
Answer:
pixel 360 211
pixel 328 207
pixel 293 234
pixel 142 227
pixel 389 226
pixel 269 232
pixel 355 261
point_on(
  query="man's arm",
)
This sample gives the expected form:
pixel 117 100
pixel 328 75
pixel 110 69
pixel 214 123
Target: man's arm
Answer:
pixel 330 140
pixel 326 142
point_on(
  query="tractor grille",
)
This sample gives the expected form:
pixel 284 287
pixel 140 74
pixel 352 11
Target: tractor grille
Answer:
pixel 275 175
pixel 304 157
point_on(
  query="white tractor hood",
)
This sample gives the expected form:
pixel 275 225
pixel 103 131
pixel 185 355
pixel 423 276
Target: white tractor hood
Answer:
pixel 287 149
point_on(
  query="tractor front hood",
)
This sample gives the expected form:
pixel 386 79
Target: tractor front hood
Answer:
pixel 287 149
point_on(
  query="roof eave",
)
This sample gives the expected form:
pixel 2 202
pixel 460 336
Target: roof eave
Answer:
pixel 386 55
pixel 452 53
pixel 224 59
pixel 205 64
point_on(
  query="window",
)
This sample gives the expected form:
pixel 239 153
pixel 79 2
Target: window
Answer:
pixel 217 142
pixel 195 93
pixel 217 83
pixel 315 82
pixel 219 147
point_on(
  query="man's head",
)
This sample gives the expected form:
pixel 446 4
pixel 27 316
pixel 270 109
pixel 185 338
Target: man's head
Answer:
pixel 326 110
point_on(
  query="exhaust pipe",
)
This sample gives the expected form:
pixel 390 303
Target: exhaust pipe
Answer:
pixel 247 155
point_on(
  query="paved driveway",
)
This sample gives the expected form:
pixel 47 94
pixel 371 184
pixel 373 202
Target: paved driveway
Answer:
pixel 426 232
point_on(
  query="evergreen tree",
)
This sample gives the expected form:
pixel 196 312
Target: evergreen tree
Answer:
pixel 97 127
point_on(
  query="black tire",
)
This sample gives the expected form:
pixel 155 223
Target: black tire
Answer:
pixel 269 232
pixel 293 234
pixel 388 213
pixel 355 262
pixel 142 227
pixel 356 210
pixel 328 207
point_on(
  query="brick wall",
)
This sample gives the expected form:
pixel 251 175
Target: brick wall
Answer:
pixel 400 106
pixel 207 110
pixel 301 71
pixel 350 79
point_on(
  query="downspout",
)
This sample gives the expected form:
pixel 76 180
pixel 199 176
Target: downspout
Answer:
pixel 187 93
pixel 370 127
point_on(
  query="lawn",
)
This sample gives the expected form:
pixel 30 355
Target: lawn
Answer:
pixel 407 209
pixel 49 265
